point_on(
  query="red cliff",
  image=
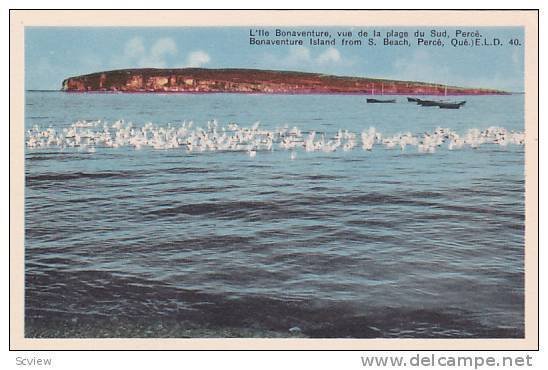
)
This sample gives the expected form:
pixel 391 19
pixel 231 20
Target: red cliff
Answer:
pixel 202 80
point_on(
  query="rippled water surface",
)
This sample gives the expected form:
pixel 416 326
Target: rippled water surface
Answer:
pixel 136 243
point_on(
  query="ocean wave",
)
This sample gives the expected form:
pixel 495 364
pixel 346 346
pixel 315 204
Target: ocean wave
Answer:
pixel 120 306
pixel 60 177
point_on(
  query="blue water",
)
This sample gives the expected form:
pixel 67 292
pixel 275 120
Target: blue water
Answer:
pixel 345 244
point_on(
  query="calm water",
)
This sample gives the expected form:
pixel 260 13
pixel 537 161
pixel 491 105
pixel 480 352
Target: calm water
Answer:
pixel 386 243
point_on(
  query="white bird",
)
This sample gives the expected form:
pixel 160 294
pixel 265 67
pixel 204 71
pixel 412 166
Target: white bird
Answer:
pixel 87 135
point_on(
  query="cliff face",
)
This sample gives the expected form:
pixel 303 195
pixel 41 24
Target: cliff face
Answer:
pixel 252 81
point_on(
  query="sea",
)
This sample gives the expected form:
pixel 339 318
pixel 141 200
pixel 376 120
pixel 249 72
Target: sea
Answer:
pixel 385 243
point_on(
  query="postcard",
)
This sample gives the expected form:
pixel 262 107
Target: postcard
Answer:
pixel 274 179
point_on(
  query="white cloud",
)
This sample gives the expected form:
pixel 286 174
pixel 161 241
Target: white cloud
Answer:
pixel 297 55
pixel 156 57
pixel 161 53
pixel 163 47
pixel 303 58
pixel 331 55
pixel 197 58
pixel 136 53
pixel 135 48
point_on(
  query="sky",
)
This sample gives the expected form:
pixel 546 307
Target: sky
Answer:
pixel 55 53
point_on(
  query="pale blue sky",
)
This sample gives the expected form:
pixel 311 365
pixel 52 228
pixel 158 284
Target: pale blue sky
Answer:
pixel 55 53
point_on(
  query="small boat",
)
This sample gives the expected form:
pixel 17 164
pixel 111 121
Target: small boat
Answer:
pixel 451 105
pixel 428 103
pixel 412 100
pixel 371 100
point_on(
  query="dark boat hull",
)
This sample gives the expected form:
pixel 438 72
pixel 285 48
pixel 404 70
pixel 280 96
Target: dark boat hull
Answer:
pixel 440 104
pixel 371 100
pixel 451 105
pixel 428 103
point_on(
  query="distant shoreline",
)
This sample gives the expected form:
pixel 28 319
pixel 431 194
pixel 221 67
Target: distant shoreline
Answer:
pixel 257 93
pixel 253 81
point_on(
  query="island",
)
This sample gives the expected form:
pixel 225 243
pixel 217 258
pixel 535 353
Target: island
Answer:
pixel 253 81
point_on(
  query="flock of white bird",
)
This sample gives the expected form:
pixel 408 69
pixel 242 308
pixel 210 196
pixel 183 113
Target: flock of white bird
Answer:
pixel 89 135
